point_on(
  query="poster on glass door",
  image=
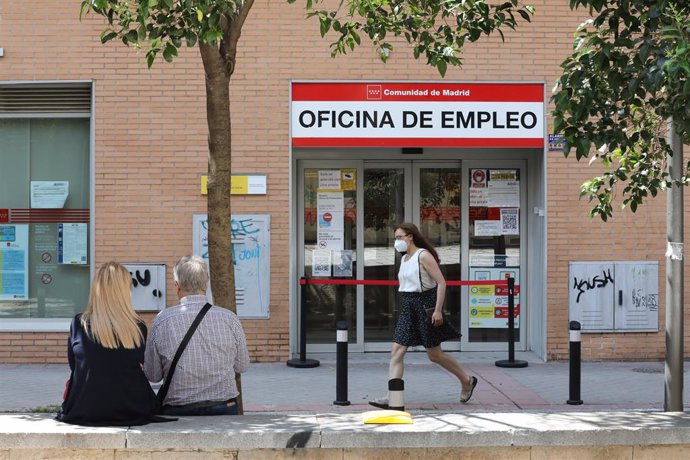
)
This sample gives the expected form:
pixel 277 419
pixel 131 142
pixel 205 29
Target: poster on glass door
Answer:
pixel 495 188
pixel 488 304
pixel 329 224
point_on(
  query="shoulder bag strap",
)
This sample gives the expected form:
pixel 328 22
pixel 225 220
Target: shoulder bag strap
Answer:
pixel 163 392
pixel 419 262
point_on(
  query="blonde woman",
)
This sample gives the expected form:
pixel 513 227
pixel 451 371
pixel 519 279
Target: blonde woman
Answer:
pixel 105 349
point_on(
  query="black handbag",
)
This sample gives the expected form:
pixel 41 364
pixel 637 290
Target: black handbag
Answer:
pixel 163 392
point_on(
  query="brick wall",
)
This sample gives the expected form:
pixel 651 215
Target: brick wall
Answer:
pixel 151 149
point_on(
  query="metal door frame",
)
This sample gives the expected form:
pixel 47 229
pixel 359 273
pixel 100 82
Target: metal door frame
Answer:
pixel 329 164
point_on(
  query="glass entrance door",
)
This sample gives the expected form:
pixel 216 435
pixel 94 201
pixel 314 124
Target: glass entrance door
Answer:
pixel 329 249
pixel 495 221
pixel 471 213
pixel 429 195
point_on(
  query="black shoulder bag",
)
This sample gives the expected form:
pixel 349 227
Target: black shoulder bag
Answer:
pixel 163 392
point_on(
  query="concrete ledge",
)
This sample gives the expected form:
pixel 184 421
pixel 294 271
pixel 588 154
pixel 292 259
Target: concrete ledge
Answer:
pixel 40 431
pixel 537 432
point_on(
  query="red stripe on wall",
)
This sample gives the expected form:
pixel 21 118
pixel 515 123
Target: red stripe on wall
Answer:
pixel 415 142
pixel 40 215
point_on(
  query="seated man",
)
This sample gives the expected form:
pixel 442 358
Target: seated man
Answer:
pixel 203 382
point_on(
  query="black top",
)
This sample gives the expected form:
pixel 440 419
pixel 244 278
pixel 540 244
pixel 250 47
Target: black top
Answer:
pixel 107 387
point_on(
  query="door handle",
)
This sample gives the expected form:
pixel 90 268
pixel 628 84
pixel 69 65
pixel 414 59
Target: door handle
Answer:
pixel 620 297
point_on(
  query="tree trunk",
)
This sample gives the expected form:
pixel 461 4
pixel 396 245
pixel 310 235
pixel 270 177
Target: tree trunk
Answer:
pixel 219 65
pixel 219 169
pixel 220 261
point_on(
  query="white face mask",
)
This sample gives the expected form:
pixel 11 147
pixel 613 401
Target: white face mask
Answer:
pixel 400 245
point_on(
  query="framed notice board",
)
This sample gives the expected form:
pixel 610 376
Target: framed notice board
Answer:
pixel 251 246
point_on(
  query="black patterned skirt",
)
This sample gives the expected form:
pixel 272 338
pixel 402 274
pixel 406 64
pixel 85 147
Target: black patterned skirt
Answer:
pixel 414 326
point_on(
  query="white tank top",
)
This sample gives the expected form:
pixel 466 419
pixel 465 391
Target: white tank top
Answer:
pixel 409 275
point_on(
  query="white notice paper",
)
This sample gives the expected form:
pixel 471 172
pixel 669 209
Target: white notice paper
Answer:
pixel 504 194
pixel 330 220
pixel 72 243
pixel 321 263
pixel 329 179
pixel 487 227
pixel 49 194
pixel 510 221
pixel 342 263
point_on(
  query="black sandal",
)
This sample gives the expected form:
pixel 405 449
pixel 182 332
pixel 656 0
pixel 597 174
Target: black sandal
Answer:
pixel 467 394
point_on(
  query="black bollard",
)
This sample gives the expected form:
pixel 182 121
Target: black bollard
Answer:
pixel 396 394
pixel 303 362
pixel 341 365
pixel 575 360
pixel 511 361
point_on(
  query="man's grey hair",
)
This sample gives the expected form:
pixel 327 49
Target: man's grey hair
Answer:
pixel 191 274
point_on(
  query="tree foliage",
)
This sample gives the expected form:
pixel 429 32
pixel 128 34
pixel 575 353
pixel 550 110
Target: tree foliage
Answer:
pixel 628 75
pixel 436 29
pixel 162 26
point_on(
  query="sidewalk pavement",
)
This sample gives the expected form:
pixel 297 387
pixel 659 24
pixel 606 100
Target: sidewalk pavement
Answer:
pixel 277 388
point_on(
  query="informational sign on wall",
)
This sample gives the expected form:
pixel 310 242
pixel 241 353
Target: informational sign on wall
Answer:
pixel 410 114
pixel 241 184
pixel 14 262
pixel 148 286
pixel 489 304
pixel 251 245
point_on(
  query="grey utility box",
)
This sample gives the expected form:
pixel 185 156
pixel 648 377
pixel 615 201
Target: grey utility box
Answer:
pixel 148 286
pixel 614 296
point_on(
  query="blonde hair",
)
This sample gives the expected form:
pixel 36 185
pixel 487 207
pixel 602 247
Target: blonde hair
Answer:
pixel 109 317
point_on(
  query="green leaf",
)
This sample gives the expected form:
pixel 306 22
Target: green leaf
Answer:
pixel 442 66
pixel 150 57
pixel 169 52
pixel 190 38
pixel 108 35
pixel 132 36
pixel 325 26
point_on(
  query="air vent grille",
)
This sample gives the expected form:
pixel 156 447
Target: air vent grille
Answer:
pixel 45 98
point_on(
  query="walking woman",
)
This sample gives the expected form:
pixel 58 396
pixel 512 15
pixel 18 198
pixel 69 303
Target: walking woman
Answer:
pixel 420 322
pixel 105 349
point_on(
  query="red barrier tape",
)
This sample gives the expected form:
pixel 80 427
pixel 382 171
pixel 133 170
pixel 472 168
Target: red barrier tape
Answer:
pixel 501 283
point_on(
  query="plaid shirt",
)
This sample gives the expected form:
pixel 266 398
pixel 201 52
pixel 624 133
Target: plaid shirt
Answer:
pixel 206 370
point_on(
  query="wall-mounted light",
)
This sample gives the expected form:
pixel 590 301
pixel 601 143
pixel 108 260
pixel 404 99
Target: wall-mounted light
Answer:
pixel 2 52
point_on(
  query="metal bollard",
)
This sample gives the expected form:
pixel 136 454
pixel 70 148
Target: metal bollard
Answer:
pixel 575 357
pixel 303 362
pixel 341 365
pixel 396 394
pixel 511 362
